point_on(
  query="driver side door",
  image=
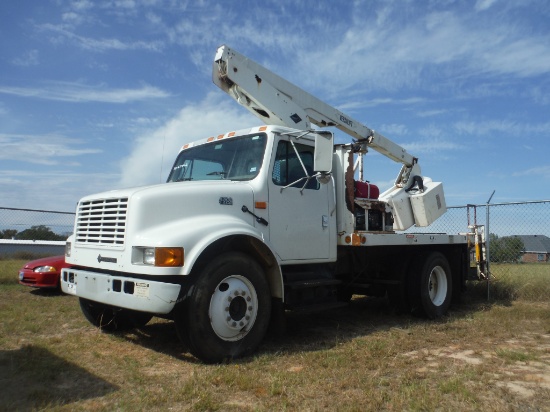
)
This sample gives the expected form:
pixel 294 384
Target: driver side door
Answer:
pixel 299 218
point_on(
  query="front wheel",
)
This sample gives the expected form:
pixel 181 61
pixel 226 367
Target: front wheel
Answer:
pixel 226 313
pixel 431 286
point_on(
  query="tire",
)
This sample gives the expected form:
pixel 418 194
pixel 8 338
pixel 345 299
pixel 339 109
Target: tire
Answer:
pixel 111 319
pixel 226 312
pixel 431 286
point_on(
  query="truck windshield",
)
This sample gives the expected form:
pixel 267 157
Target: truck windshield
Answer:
pixel 238 158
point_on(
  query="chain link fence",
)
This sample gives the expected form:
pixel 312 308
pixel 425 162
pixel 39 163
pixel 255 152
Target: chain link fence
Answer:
pixel 518 233
pixel 518 242
pixel 30 233
pixel 32 224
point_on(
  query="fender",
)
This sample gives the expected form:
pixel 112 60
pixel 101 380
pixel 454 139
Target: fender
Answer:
pixel 197 234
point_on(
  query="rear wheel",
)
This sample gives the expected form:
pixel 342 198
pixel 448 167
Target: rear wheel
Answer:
pixel 226 313
pixel 112 319
pixel 431 286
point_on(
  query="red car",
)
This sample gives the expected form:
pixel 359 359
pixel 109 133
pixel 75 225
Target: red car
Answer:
pixel 43 273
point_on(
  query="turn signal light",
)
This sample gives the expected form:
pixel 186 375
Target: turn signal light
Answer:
pixel 169 256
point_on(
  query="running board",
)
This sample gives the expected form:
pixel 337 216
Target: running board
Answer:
pixel 312 283
pixel 312 294
pixel 319 307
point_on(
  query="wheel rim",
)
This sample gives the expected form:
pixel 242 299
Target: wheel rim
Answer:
pixel 437 286
pixel 233 308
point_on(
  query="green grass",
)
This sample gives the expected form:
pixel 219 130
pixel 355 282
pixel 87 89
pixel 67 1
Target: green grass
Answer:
pixel 360 358
pixel 521 281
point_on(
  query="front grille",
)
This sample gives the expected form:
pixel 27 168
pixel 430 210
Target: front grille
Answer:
pixel 102 222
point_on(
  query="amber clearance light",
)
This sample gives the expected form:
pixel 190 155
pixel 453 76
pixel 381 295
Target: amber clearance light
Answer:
pixel 169 256
pixel 158 256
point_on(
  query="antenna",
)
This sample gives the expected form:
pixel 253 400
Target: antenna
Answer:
pixel 162 157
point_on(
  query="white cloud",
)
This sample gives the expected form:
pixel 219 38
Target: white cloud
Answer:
pixel 158 149
pixel 432 139
pixel 79 92
pixel 38 149
pixel 433 145
pixel 523 57
pixel 542 171
pixel 484 4
pixel 430 113
pixel 81 5
pixel 393 129
pixel 425 48
pixel 57 190
pixel 29 58
pixel 500 128
pixel 380 101
pixel 72 18
pixel 125 4
pixel 102 44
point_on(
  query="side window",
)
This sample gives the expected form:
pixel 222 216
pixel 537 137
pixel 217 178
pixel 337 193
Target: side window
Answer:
pixel 287 169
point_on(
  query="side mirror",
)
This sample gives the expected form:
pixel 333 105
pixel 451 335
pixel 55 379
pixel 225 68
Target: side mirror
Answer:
pixel 324 148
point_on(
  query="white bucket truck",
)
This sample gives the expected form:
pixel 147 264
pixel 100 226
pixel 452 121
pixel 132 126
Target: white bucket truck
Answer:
pixel 255 222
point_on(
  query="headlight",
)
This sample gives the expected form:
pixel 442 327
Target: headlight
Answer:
pixel 158 256
pixel 68 249
pixel 149 256
pixel 44 269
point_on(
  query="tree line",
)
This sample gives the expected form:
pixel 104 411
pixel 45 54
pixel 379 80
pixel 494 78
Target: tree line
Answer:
pixel 40 232
pixel 505 249
pixel 502 249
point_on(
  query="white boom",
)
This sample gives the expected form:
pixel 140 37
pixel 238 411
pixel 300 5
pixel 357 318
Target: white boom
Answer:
pixel 274 100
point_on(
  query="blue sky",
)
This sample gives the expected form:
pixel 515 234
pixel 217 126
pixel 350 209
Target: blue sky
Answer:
pixel 99 95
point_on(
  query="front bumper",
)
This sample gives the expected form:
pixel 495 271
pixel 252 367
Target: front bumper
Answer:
pixel 123 292
pixel 38 279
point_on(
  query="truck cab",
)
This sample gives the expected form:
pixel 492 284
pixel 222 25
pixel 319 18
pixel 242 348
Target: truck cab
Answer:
pixel 253 191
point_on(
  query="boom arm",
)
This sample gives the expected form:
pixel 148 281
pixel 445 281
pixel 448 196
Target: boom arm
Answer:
pixel 277 101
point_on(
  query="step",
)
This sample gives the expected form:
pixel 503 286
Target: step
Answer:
pixel 318 307
pixel 312 283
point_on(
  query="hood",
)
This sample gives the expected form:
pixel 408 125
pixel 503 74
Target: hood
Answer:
pixel 160 206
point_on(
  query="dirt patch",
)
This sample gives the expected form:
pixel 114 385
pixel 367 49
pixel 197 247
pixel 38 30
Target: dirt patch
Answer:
pixel 500 362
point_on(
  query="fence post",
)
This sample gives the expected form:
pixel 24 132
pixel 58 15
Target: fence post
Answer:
pixel 487 244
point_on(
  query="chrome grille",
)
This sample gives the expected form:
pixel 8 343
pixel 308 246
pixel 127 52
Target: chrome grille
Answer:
pixel 102 222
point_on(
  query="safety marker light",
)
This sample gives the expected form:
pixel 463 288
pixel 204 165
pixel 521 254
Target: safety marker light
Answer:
pixel 169 256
